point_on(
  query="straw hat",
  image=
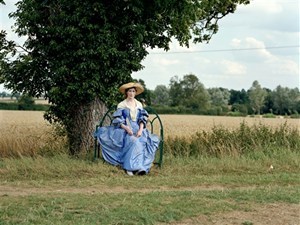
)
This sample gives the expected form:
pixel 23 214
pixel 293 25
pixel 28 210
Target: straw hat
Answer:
pixel 139 88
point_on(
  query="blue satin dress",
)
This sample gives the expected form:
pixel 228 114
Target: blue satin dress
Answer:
pixel 130 152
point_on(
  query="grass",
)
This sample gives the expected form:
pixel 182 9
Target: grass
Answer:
pixel 219 170
pixel 136 208
pixel 64 190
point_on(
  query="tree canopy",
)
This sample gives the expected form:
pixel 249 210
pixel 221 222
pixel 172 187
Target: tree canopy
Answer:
pixel 78 52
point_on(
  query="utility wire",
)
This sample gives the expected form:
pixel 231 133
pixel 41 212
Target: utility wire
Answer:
pixel 226 50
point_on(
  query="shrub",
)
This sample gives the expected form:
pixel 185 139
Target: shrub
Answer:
pixel 295 116
pixel 21 106
pixel 269 115
pixel 236 114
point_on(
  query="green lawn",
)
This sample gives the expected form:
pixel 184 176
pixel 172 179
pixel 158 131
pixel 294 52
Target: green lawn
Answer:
pixel 64 190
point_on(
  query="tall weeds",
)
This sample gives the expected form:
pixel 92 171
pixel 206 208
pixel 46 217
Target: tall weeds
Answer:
pixel 220 141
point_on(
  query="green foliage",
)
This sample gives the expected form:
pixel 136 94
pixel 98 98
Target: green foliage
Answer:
pixel 26 99
pixel 25 102
pixel 247 223
pixel 20 106
pixel 281 101
pixel 257 97
pixel 9 106
pixel 164 109
pixel 241 108
pixel 269 115
pixel 219 96
pixel 189 93
pixel 161 95
pixel 218 110
pixel 236 113
pixel 285 99
pixel 295 116
pixel 238 97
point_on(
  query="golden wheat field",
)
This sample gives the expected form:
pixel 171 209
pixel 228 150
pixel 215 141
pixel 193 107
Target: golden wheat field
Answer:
pixel 186 125
pixel 27 131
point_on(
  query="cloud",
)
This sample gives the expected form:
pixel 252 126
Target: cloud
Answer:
pixel 233 68
pixel 279 63
pixel 257 50
pixel 268 7
pixel 285 66
pixel 271 15
pixel 166 62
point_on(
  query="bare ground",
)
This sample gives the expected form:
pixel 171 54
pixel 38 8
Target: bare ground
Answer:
pixel 273 214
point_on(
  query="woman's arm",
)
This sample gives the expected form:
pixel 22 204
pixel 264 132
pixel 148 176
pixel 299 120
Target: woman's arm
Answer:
pixel 139 133
pixel 127 128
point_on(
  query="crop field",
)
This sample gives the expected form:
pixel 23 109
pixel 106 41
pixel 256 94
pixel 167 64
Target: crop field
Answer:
pixel 186 125
pixel 27 131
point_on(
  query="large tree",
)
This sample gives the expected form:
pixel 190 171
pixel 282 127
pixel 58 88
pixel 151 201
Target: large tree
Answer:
pixel 257 97
pixel 219 96
pixel 286 100
pixel 189 92
pixel 78 52
pixel 161 95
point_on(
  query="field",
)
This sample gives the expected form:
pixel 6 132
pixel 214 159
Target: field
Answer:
pixel 185 125
pixel 24 132
pixel 36 101
pixel 27 131
pixel 58 189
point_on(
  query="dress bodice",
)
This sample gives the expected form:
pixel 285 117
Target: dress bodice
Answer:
pixel 133 110
pixel 123 114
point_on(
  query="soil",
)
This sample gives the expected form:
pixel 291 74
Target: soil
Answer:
pixel 273 214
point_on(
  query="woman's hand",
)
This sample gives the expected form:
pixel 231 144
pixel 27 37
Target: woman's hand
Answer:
pixel 139 133
pixel 129 131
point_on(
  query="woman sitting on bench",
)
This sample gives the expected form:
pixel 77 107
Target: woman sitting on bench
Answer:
pixel 127 142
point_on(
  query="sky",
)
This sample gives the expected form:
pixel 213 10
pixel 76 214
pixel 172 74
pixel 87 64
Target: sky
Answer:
pixel 259 41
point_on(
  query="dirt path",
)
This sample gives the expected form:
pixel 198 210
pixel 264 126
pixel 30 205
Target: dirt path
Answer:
pixel 10 190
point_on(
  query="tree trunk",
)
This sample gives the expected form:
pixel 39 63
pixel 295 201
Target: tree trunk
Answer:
pixel 82 128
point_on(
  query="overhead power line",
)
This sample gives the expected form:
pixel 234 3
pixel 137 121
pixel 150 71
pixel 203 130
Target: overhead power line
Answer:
pixel 227 50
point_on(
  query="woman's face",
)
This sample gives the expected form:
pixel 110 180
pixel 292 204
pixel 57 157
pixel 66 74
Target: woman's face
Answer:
pixel 131 92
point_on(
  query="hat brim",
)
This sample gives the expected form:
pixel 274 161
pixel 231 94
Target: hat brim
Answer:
pixel 139 88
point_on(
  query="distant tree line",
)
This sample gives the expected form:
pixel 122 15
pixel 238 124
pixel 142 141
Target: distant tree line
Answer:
pixel 22 102
pixel 5 94
pixel 188 95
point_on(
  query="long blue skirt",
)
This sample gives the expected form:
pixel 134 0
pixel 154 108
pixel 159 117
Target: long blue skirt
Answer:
pixel 128 151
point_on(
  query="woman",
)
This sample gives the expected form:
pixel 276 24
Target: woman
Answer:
pixel 128 143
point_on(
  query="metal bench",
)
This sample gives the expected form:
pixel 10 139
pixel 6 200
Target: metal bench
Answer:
pixel 154 125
